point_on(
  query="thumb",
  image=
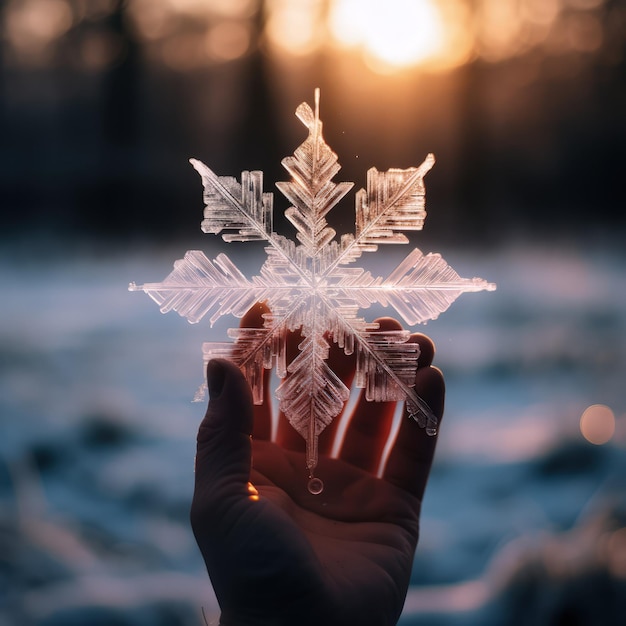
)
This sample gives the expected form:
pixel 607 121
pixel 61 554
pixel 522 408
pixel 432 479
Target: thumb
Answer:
pixel 223 445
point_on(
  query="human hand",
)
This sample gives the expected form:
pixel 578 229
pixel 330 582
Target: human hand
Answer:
pixel 278 555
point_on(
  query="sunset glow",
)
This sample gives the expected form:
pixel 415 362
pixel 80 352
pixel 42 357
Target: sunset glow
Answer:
pixel 396 33
pixel 389 37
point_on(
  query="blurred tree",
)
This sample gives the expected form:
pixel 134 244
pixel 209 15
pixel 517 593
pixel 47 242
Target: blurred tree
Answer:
pixel 121 79
pixel 2 70
pixel 121 149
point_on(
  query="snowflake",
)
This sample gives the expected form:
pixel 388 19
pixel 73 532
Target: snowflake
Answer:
pixel 311 285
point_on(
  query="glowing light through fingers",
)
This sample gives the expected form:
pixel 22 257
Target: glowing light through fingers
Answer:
pixel 254 494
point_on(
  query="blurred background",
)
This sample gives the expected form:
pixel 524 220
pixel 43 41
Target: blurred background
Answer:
pixel 102 102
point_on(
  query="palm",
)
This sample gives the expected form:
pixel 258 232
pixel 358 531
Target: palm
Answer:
pixel 286 556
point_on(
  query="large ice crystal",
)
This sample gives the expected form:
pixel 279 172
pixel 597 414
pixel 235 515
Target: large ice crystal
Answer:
pixel 313 285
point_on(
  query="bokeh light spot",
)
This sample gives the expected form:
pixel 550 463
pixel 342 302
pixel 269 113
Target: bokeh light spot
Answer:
pixel 585 33
pixel 540 11
pixel 32 25
pixel 597 424
pixel 228 40
pixel 294 25
pixel 151 20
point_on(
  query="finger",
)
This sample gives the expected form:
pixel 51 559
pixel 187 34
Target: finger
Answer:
pixel 369 424
pixel 223 445
pixel 411 457
pixel 427 349
pixel 262 428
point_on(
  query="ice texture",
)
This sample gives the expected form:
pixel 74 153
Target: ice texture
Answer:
pixel 313 284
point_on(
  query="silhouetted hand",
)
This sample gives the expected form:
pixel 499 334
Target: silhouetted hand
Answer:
pixel 278 555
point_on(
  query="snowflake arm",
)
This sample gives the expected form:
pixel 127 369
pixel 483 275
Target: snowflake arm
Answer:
pixel 394 201
pixel 419 289
pixel 311 189
pixel 198 287
pixel 230 205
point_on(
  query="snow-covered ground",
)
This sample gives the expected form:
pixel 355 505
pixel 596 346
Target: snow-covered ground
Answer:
pixel 523 520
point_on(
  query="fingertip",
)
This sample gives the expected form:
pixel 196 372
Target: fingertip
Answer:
pixel 410 460
pixel 431 387
pixel 215 376
pixel 388 323
pixel 223 449
pixel 426 344
pixel 255 316
pixel 230 397
pixel 427 349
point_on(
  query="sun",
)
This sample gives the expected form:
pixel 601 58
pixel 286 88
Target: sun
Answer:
pixel 394 33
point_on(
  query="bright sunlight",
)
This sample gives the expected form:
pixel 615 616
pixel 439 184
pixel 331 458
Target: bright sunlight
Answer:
pixel 396 33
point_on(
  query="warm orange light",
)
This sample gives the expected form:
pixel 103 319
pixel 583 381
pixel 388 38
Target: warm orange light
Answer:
pixel 228 40
pixel 32 25
pixel 540 11
pixel 201 8
pixel 499 30
pixel 397 33
pixel 584 33
pixel 597 424
pixel 227 26
pixel 294 25
pixel 152 20
pixel 254 494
